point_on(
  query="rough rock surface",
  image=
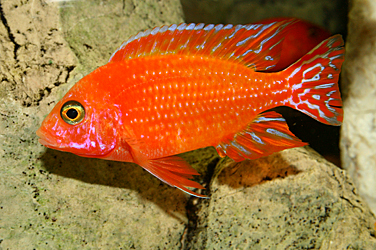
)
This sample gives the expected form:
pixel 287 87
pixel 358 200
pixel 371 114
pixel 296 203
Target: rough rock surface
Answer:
pixel 358 142
pixel 34 55
pixel 55 200
pixel 293 199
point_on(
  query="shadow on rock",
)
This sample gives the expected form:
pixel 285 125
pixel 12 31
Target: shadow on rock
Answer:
pixel 252 172
pixel 122 175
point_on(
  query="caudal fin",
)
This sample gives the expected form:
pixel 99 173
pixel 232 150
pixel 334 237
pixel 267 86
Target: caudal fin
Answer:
pixel 314 82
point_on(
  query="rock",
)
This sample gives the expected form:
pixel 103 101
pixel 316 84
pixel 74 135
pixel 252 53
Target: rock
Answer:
pixel 94 35
pixel 35 58
pixel 55 200
pixel 358 142
pixel 293 199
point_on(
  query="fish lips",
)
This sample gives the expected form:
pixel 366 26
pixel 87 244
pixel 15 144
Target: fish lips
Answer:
pixel 46 140
pixel 51 142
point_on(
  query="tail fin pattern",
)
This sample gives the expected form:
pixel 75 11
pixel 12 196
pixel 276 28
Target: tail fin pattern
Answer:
pixel 314 82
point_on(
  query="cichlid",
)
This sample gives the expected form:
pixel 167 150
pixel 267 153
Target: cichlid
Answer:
pixel 182 87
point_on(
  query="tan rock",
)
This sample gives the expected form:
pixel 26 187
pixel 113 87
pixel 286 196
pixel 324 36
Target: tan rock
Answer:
pixel 55 200
pixel 358 142
pixel 294 199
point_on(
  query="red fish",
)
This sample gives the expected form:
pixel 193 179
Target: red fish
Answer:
pixel 182 87
pixel 301 38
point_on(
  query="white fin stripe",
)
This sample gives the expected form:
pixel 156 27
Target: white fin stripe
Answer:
pixel 177 42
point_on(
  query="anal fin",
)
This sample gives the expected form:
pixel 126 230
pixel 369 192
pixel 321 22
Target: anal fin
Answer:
pixel 266 134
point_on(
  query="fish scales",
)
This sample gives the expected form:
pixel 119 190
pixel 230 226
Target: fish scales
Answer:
pixel 180 103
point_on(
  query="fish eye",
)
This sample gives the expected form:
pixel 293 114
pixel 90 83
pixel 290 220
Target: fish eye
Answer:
pixel 72 112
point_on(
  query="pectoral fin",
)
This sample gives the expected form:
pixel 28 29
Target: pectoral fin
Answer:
pixel 172 170
pixel 266 134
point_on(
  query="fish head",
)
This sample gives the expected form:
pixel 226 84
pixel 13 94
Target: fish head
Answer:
pixel 81 125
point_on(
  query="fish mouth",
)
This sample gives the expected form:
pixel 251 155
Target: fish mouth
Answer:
pixel 45 140
pixel 52 143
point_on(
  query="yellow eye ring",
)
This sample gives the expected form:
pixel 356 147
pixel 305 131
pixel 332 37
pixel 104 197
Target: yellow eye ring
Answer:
pixel 72 112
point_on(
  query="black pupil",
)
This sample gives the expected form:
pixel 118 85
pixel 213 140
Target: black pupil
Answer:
pixel 72 114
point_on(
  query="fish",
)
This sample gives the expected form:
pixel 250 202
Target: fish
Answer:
pixel 177 88
pixel 301 38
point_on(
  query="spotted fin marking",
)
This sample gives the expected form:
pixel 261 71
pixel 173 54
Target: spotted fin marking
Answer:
pixel 266 134
pixel 254 45
pixel 314 81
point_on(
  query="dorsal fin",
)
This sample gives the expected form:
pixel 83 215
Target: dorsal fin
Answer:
pixel 254 45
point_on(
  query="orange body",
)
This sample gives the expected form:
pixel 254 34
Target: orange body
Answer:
pixel 175 104
pixel 174 89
